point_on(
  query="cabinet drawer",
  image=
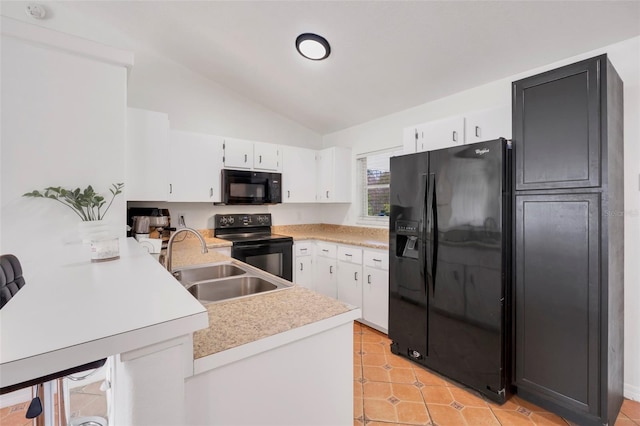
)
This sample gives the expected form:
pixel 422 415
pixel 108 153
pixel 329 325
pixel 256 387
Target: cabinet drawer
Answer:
pixel 303 249
pixel 350 254
pixel 326 250
pixel 378 260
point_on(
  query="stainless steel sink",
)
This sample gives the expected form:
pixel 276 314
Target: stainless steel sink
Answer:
pixel 227 280
pixel 215 290
pixel 207 272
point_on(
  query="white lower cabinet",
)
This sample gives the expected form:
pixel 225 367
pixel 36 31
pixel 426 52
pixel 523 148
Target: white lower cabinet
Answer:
pixel 303 265
pixel 350 275
pixel 326 270
pixel 375 289
pixel 350 283
pixel 353 275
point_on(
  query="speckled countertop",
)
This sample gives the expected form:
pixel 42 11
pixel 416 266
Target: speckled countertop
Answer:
pixel 241 321
pixel 377 238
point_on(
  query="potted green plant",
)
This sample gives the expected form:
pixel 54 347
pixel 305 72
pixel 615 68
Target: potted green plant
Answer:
pixel 86 204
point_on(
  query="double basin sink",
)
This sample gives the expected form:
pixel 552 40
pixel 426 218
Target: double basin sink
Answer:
pixel 219 281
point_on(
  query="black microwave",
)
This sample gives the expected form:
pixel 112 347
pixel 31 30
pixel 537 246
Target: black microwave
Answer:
pixel 246 187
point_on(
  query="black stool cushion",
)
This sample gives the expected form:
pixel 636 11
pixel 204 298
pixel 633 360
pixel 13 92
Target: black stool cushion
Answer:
pixel 11 279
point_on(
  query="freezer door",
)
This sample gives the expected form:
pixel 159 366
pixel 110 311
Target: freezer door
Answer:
pixel 407 289
pixel 465 265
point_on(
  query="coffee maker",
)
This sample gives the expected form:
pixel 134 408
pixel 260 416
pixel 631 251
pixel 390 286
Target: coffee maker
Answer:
pixel 150 226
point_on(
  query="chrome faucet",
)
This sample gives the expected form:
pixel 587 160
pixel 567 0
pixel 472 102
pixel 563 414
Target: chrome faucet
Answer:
pixel 170 244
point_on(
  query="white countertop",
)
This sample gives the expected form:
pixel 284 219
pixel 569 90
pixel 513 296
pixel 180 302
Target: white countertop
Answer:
pixel 72 311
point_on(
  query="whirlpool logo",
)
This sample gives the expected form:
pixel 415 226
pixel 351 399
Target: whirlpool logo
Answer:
pixel 482 151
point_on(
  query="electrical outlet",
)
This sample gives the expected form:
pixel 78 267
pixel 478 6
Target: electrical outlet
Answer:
pixel 180 220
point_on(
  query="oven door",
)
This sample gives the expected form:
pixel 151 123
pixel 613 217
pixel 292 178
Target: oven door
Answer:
pixel 273 257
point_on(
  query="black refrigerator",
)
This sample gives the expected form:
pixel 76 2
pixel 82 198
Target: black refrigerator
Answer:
pixel 450 262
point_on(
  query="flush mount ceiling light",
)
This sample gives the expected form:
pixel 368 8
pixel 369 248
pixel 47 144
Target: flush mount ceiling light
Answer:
pixel 313 46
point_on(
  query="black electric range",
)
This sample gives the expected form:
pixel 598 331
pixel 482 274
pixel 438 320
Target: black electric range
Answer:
pixel 253 242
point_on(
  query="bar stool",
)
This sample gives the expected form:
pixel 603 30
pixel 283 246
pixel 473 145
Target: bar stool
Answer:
pixel 11 281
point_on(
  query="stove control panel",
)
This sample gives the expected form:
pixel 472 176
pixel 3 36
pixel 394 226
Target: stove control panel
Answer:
pixel 241 220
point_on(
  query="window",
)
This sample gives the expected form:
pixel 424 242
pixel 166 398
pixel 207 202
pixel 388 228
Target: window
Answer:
pixel 374 179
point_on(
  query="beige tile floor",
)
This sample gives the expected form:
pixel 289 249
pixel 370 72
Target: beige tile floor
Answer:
pixel 88 400
pixel 390 390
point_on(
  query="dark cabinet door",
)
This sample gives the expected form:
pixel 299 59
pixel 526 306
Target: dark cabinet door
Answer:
pixel 556 127
pixel 557 298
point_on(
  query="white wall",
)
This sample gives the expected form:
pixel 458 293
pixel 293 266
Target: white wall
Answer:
pixel 63 124
pixel 200 215
pixel 386 132
pixel 193 103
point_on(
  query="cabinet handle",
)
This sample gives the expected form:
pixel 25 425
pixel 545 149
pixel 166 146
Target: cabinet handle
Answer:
pixel 245 158
pixel 288 194
pixel 455 136
pixel 210 192
pixel 477 131
pixel 331 269
pixel 327 195
pixel 348 254
pixel 260 159
pixel 377 260
pixel 369 279
pixel 355 276
pixel 170 189
pixel 301 266
pixel 303 249
pixel 325 250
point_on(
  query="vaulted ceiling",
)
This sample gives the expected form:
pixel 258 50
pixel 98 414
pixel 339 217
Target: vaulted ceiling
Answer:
pixel 386 55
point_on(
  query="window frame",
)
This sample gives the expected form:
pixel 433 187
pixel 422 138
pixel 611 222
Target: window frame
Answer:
pixel 362 186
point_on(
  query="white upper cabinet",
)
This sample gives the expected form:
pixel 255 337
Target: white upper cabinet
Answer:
pixel 195 164
pixel 488 124
pixel 409 139
pixel 440 134
pixel 238 154
pixel 146 151
pixel 334 175
pixel 475 126
pixel 244 154
pixel 298 175
pixel 266 156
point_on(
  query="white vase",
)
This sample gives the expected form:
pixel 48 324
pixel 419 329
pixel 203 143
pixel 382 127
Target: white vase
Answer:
pixel 93 230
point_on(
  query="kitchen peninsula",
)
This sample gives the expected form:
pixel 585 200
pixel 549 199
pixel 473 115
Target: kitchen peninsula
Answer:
pixel 261 344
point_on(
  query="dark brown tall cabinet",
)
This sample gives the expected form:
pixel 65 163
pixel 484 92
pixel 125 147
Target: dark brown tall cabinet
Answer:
pixel 568 275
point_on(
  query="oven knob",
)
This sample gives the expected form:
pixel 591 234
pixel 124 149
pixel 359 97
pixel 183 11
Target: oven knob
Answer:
pixel 223 220
pixel 231 220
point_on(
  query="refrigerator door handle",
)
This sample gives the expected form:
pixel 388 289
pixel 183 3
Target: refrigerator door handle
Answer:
pixel 431 224
pixel 422 255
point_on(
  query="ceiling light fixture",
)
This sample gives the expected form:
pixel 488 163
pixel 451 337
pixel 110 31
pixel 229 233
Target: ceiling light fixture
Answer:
pixel 313 46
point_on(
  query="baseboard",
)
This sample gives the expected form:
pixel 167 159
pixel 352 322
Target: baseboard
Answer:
pixel 631 392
